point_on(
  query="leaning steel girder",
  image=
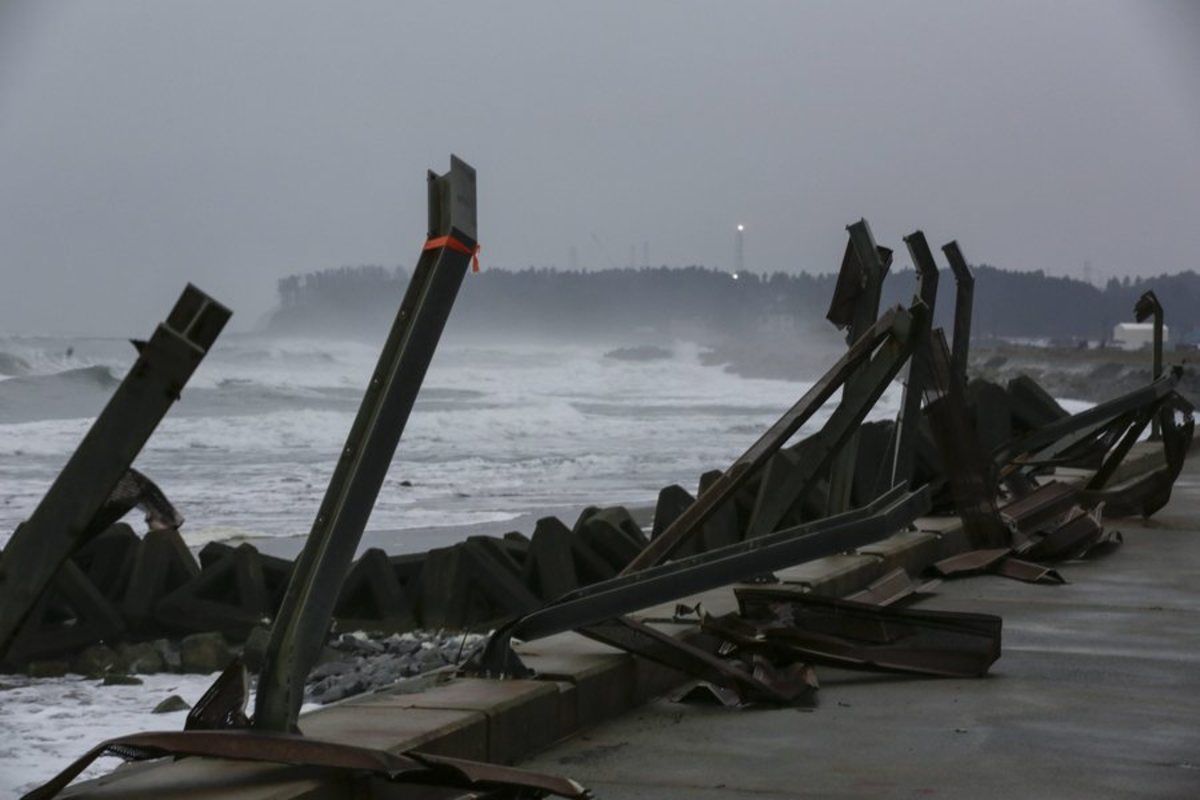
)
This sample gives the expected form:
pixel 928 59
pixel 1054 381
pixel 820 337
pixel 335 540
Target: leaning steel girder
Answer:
pixel 1147 306
pixel 721 566
pixel 877 356
pixel 893 329
pixel 908 420
pixel 964 300
pixel 1051 442
pixel 303 621
pixel 840 430
pixel 870 263
pixel 67 516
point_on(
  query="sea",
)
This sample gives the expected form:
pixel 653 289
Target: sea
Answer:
pixel 500 429
pixel 503 431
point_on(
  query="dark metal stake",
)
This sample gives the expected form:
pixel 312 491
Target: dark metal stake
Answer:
pixel 964 299
pixel 907 421
pixel 872 265
pixel 1146 306
pixel 303 621
pixel 64 520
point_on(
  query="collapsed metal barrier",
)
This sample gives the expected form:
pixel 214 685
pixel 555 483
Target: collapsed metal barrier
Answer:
pixel 745 523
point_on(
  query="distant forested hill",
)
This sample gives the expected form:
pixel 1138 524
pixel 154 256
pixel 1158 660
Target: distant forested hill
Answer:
pixel 362 301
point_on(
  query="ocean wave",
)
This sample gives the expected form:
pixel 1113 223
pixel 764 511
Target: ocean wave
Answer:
pixel 78 392
pixel 11 364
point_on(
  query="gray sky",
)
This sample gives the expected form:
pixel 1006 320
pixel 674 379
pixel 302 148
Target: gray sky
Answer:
pixel 144 144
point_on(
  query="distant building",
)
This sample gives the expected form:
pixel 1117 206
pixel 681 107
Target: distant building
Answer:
pixel 1136 335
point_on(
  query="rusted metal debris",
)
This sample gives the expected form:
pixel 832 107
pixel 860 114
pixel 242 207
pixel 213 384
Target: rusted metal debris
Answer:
pixel 357 763
pixel 751 680
pixel 787 627
pixel 608 599
pixel 223 704
pixel 998 561
pixel 970 475
pixel 1044 504
pixel 765 652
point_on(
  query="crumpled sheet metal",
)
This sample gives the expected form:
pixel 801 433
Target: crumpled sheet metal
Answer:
pixel 1073 538
pixel 797 680
pixel 995 561
pixel 273 748
pixel 786 626
pixel 1149 493
pixel 751 681
pixel 1044 505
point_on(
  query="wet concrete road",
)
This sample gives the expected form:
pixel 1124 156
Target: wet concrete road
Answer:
pixel 1097 695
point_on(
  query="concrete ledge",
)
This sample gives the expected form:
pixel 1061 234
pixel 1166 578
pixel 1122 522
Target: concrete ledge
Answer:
pixel 601 679
pixel 369 722
pixel 911 551
pixel 522 716
pixel 580 683
pixel 835 575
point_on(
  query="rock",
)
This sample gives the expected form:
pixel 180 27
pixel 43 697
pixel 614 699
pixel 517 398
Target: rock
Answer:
pixel 204 652
pixel 168 651
pixel 255 648
pixel 121 680
pixel 172 703
pixel 141 657
pixel 398 646
pixel 46 669
pixel 331 668
pixel 96 661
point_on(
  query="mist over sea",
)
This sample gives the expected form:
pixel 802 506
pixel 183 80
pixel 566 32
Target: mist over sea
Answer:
pixel 502 428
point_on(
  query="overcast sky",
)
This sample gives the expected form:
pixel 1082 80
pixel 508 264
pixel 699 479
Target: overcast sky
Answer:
pixel 145 144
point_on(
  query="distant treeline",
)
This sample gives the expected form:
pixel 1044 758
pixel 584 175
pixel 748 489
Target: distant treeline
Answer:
pixel 363 299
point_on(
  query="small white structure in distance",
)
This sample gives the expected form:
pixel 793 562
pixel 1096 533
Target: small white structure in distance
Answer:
pixel 1136 335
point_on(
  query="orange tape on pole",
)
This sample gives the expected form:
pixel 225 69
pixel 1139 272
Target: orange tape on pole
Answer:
pixel 457 246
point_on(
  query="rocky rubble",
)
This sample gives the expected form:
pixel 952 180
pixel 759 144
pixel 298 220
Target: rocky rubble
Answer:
pixel 357 662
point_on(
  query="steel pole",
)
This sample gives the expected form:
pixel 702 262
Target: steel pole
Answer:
pixel 303 621
pixel 908 418
pixel 964 299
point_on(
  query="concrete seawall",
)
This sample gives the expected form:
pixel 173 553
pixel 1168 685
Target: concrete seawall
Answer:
pixel 1097 668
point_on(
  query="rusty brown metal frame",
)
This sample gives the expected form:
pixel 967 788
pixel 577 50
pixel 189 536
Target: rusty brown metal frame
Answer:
pixel 282 748
pixel 853 635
